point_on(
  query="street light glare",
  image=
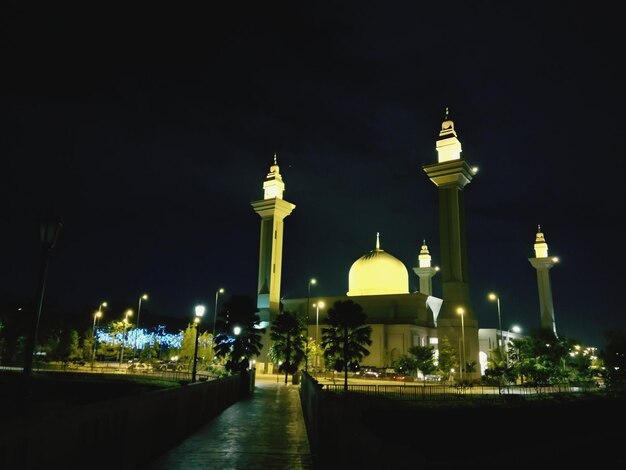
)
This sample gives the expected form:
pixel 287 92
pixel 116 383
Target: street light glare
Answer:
pixel 200 309
pixel 492 296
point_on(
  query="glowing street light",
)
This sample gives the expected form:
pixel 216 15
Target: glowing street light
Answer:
pixel 492 296
pixel 127 314
pixel 96 316
pixel 461 311
pixel 312 282
pixel 199 313
pixel 143 297
pixel 217 293
pixel 318 305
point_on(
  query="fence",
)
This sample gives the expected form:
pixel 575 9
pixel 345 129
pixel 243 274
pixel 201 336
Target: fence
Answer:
pixel 447 392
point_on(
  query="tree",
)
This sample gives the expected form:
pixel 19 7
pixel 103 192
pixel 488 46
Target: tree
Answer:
pixel 424 359
pixel 613 356
pixel 446 360
pixel 289 344
pixel 187 346
pixel 68 346
pixel 345 337
pixel 238 333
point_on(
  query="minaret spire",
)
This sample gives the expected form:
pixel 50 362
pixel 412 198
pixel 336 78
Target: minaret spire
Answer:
pixel 273 186
pixel 377 240
pixel 451 174
pixel 272 209
pixel 425 271
pixel 543 263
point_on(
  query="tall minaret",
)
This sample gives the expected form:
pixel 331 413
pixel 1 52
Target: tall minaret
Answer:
pixel 543 263
pixel 425 271
pixel 457 321
pixel 272 209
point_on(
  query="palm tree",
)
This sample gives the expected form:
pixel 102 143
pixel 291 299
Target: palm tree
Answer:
pixel 424 359
pixel 238 335
pixel 345 338
pixel 288 342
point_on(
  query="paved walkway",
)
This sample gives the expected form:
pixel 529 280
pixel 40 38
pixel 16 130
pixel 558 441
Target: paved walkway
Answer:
pixel 266 431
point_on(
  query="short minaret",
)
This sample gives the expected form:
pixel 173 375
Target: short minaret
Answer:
pixel 272 209
pixel 425 271
pixel 543 263
pixel 456 321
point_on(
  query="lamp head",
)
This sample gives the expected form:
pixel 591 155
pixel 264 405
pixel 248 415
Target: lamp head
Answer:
pixel 200 311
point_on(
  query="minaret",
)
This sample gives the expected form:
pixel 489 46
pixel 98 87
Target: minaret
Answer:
pixel 456 319
pixel 425 271
pixel 543 263
pixel 272 209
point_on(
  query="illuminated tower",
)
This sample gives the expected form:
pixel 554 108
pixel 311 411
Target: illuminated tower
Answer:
pixel 543 263
pixel 425 271
pixel 456 321
pixel 272 209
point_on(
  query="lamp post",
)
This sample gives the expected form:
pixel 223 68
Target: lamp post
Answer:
pixel 492 296
pixel 127 314
pixel 143 297
pixel 96 317
pixel 199 313
pixel 312 282
pixel 461 311
pixel 318 305
pixel 515 329
pixel 217 293
pixel 49 233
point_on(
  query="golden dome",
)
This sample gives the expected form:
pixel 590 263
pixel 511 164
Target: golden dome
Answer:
pixel 378 273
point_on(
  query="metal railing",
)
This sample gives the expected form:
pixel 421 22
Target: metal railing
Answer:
pixel 446 392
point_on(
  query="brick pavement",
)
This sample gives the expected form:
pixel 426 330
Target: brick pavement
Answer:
pixel 266 431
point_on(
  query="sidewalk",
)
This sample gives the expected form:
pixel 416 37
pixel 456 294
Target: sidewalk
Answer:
pixel 266 431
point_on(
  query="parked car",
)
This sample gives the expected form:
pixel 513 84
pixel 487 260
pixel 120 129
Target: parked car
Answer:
pixel 171 366
pixel 139 367
pixel 370 373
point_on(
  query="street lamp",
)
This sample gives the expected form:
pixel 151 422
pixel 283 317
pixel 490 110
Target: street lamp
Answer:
pixel 312 282
pixel 217 293
pixel 143 297
pixel 495 297
pixel 199 313
pixel 318 305
pixel 49 233
pixel 461 311
pixel 96 316
pixel 127 314
pixel 514 329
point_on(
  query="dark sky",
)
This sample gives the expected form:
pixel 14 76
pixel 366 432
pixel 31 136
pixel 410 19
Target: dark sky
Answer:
pixel 151 129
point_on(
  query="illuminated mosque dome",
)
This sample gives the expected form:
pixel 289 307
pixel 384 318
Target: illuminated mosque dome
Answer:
pixel 378 273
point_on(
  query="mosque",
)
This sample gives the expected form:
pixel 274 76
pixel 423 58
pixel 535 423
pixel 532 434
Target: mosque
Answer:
pixel 379 282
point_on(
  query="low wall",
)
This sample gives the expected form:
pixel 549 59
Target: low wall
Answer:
pixel 123 433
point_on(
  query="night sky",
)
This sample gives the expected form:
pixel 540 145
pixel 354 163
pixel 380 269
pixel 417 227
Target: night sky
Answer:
pixel 150 130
